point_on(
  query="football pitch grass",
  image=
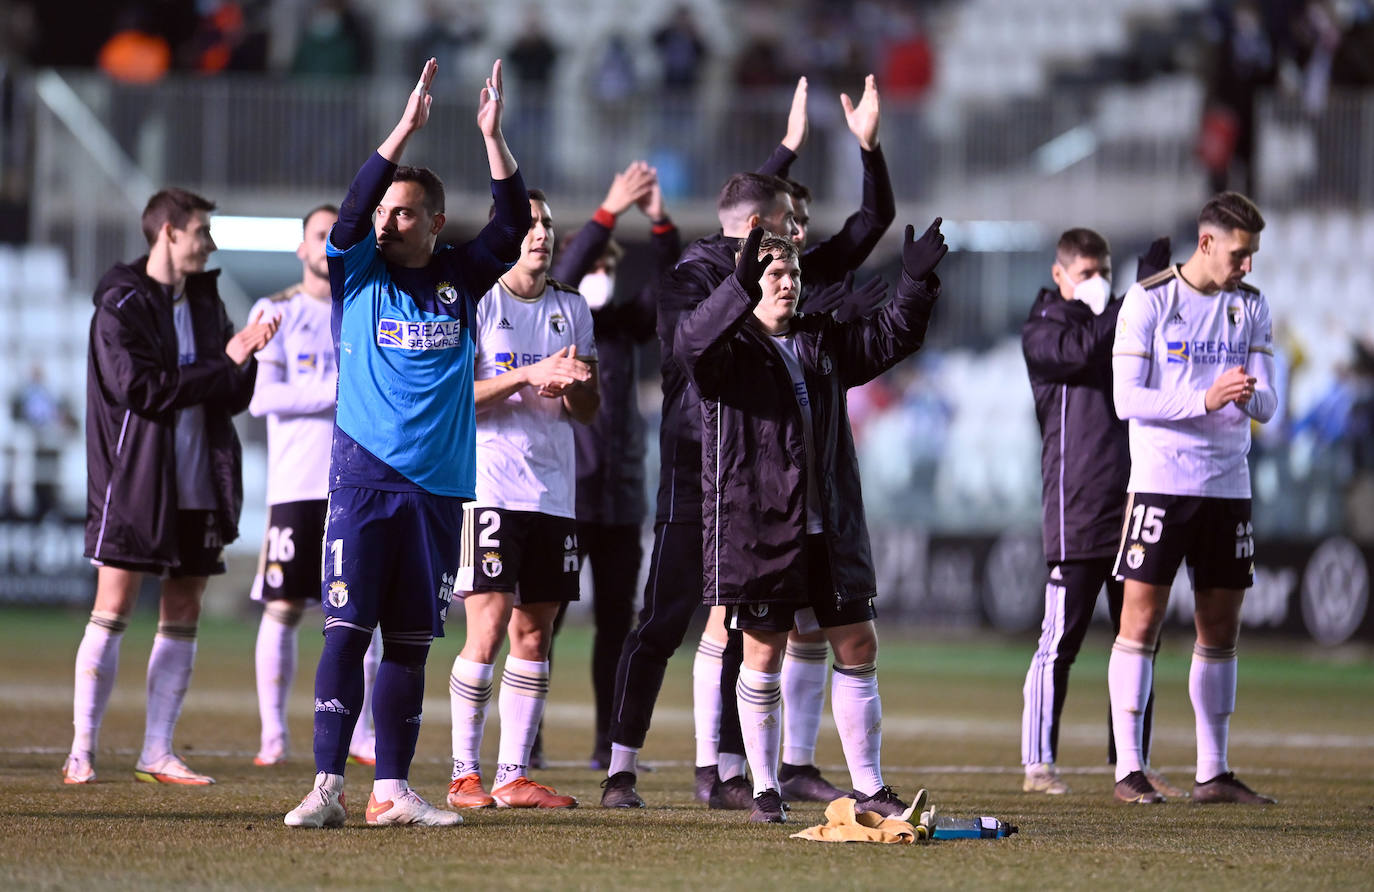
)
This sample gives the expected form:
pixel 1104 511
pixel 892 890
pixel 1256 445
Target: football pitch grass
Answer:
pixel 1303 731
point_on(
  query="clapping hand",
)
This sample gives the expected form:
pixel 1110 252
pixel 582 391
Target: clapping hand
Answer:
pixel 252 337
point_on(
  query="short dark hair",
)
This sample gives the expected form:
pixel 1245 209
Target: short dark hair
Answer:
pixel 428 181
pixel 754 191
pixel 1231 210
pixel 772 243
pixel 613 251
pixel 1080 242
pixel 172 205
pixel 531 194
pixel 799 191
pixel 333 209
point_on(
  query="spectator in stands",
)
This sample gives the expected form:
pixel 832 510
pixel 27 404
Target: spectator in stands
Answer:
pixel 334 42
pixel 533 55
pixel 682 52
pixel 445 33
pixel 227 38
pixel 135 53
pixel 1240 63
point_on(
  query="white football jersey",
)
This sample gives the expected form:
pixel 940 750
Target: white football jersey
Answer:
pixel 1186 341
pixel 526 459
pixel 296 389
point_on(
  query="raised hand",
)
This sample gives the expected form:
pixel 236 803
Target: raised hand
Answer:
pixel 863 118
pixel 629 186
pixel 750 267
pixel 252 337
pixel 921 256
pixel 1232 386
pixel 416 115
pixel 1154 260
pixel 651 203
pixel 490 103
pixel 797 124
pixel 826 298
pixel 862 301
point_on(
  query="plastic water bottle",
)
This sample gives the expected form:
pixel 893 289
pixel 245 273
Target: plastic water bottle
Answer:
pixel 971 828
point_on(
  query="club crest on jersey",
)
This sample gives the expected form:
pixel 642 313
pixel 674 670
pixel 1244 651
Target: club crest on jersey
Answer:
pixel 491 564
pixel 338 593
pixel 1233 313
pixel 558 323
pixel 1135 556
pixel 1178 351
pixel 826 363
pixel 448 295
pixel 416 334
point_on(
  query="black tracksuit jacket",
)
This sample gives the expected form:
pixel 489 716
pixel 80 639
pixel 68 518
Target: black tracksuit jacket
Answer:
pixel 753 450
pixel 704 265
pixel 1085 459
pixel 610 450
pixel 134 387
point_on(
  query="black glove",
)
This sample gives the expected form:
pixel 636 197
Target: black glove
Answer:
pixel 826 298
pixel 749 269
pixel 921 256
pixel 1154 260
pixel 862 301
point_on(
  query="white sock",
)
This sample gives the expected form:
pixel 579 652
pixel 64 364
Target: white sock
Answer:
pixel 97 663
pixel 364 740
pixel 169 675
pixel 760 721
pixel 469 695
pixel 1130 673
pixel 803 698
pixel 524 688
pixel 858 711
pixel 623 758
pixel 731 765
pixel 706 700
pixel 274 661
pixel 387 789
pixel 1212 688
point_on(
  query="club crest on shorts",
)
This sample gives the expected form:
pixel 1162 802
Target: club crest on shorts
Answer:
pixel 758 610
pixel 491 563
pixel 1135 556
pixel 447 293
pixel 273 575
pixel 338 593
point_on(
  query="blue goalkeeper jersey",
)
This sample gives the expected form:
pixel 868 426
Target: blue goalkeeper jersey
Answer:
pixel 406 417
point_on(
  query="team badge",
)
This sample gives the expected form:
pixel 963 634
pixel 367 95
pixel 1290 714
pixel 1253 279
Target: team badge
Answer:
pixel 759 610
pixel 273 575
pixel 827 365
pixel 558 323
pixel 491 564
pixel 447 293
pixel 1135 556
pixel 1233 313
pixel 338 593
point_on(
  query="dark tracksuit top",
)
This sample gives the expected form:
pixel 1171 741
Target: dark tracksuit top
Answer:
pixel 1085 458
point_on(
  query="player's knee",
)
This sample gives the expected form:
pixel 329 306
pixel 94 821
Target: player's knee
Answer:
pixel 286 613
pixel 408 654
pixel 347 643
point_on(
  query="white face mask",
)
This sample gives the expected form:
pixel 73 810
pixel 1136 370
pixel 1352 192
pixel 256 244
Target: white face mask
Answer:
pixel 597 289
pixel 1094 292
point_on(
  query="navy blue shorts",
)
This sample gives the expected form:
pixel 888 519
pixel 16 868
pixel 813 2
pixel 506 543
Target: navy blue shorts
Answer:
pixel 390 558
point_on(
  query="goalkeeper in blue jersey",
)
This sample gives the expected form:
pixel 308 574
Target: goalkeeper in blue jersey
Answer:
pixel 404 452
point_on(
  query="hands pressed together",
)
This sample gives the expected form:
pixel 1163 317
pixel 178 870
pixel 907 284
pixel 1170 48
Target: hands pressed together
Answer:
pixel 1233 386
pixel 556 373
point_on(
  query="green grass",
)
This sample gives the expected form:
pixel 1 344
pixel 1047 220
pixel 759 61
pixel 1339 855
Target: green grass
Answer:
pixel 1304 731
